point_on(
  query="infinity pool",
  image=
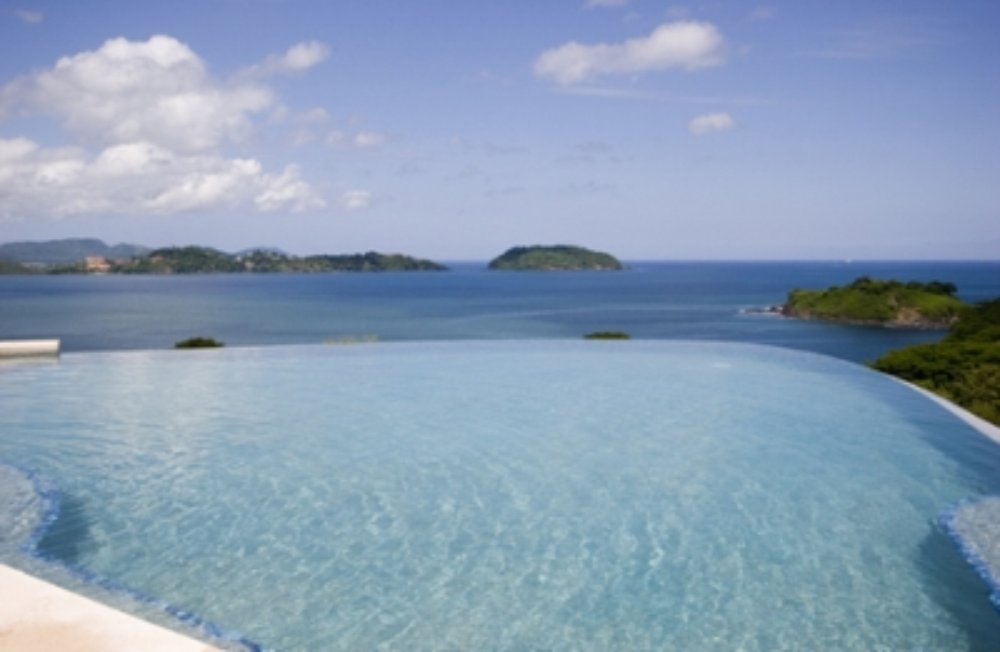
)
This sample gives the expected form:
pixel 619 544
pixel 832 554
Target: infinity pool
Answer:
pixel 505 496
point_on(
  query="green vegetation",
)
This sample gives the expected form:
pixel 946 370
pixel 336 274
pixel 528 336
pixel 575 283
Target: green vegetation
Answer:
pixel 558 257
pixel 607 335
pixel 179 260
pixel 199 343
pixel 203 260
pixel 964 367
pixel 11 267
pixel 368 262
pixel 868 301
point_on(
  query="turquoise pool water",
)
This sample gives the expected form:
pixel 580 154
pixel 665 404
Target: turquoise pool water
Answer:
pixel 556 495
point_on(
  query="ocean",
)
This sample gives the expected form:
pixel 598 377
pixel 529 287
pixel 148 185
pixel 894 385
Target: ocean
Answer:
pixel 650 300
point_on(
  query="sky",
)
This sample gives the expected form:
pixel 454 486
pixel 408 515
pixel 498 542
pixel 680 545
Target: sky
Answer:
pixel 454 129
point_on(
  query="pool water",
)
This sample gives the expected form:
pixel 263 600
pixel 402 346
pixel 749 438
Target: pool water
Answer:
pixel 556 495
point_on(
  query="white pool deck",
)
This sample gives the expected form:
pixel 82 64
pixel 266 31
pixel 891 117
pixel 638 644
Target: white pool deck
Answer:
pixel 29 348
pixel 36 616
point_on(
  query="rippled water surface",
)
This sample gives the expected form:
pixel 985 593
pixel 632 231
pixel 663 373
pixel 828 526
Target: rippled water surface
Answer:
pixel 557 495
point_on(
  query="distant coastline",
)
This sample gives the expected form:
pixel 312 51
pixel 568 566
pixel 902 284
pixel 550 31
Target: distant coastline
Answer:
pixel 90 256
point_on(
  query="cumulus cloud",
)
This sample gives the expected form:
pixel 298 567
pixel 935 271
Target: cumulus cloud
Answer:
pixel 138 178
pixel 354 200
pixel 155 91
pixel 686 45
pixel 149 127
pixel 30 17
pixel 710 123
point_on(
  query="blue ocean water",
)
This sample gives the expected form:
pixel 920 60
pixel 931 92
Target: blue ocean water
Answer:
pixel 650 300
pixel 542 494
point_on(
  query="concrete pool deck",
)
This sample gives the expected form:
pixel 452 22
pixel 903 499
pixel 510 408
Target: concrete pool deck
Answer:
pixel 36 616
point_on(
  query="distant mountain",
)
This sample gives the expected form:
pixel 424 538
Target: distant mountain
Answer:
pixel 66 251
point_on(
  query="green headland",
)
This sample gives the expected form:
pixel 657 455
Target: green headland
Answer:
pixel 872 302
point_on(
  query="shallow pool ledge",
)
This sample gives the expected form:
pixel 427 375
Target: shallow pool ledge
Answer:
pixel 36 615
pixel 28 348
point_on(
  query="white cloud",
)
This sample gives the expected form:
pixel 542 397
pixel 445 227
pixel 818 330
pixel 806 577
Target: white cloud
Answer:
pixel 710 123
pixel 149 127
pixel 687 45
pixel 315 115
pixel 368 139
pixel 354 200
pixel 357 140
pixel 138 179
pixel 287 190
pixel 156 91
pixel 297 58
pixel 30 17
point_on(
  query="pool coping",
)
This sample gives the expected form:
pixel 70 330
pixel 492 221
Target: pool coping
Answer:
pixel 978 423
pixel 39 616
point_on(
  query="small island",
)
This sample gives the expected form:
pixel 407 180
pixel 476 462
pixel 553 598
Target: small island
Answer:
pixel 872 302
pixel 554 258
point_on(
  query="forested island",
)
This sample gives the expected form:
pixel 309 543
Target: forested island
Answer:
pixel 873 302
pixel 49 258
pixel 964 367
pixel 554 258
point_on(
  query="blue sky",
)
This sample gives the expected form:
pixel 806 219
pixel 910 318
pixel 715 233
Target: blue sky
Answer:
pixel 453 130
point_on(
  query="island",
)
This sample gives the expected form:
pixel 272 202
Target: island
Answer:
pixel 554 258
pixel 191 260
pixel 964 367
pixel 884 303
pixel 48 258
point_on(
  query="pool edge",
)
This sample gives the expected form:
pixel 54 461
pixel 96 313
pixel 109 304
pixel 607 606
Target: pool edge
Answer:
pixel 38 615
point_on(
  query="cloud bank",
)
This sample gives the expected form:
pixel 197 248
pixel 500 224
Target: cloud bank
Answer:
pixel 685 45
pixel 149 127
